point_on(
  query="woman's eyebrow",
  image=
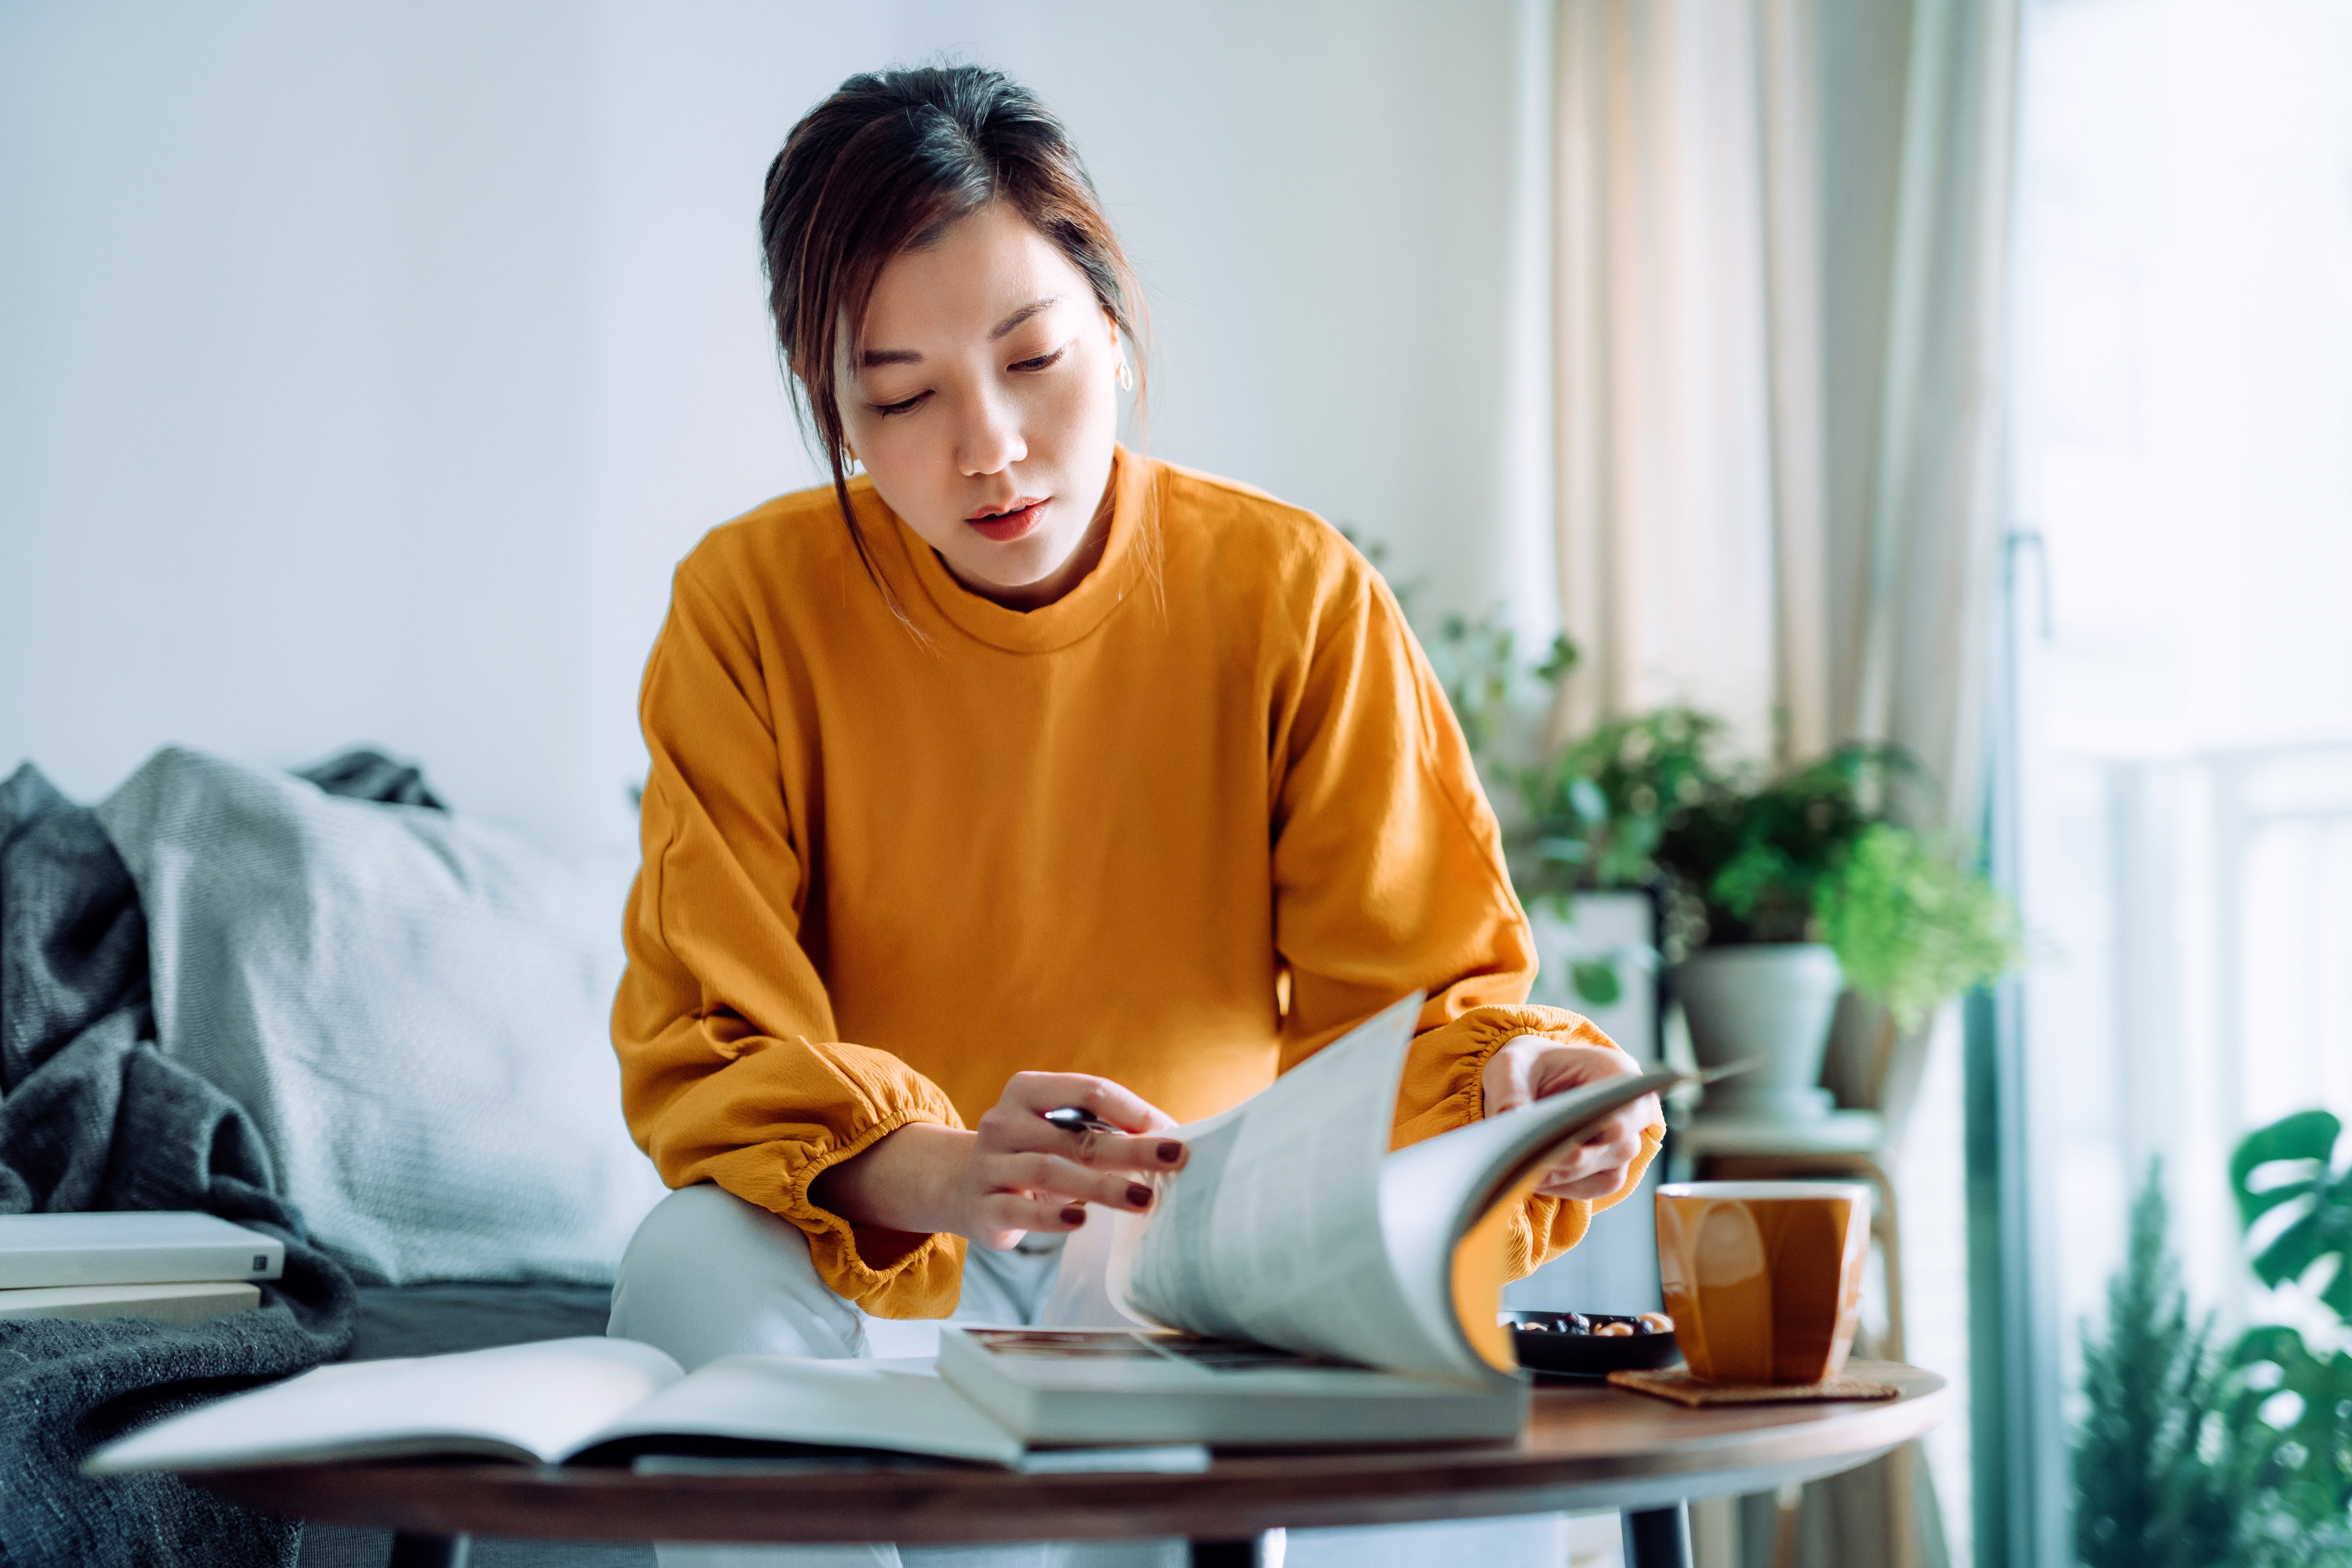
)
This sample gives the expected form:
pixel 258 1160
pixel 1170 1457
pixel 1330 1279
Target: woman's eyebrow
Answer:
pixel 873 357
pixel 1022 314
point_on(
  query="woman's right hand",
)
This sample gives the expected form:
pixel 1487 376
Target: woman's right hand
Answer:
pixel 1016 1171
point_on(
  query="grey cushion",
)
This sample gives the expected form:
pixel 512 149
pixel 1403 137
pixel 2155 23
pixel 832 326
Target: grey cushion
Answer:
pixel 413 1007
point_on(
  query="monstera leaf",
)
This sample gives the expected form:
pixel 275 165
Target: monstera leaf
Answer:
pixel 2305 1458
pixel 2290 1166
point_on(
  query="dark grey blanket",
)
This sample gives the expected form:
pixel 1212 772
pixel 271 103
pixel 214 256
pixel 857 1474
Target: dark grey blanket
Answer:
pixel 94 1116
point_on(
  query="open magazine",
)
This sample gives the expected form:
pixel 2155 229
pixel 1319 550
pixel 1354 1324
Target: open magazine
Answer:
pixel 1293 1225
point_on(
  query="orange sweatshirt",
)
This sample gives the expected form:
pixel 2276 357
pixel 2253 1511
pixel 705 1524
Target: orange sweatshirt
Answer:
pixel 1181 828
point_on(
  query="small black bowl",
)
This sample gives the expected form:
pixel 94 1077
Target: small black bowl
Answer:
pixel 1554 1348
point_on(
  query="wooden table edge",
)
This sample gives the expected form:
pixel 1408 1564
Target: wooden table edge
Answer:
pixel 1237 1496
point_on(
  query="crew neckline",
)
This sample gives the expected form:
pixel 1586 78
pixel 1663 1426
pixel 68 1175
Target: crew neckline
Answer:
pixel 1068 618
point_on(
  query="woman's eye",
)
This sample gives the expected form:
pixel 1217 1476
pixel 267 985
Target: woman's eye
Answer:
pixel 887 409
pixel 1042 361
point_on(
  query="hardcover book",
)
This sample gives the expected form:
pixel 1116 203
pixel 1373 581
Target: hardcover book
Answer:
pixel 131 1247
pixel 188 1303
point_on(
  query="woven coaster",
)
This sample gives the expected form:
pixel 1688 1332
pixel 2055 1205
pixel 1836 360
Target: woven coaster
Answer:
pixel 1681 1387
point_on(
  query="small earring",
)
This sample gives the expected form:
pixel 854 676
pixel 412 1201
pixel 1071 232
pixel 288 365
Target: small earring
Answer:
pixel 1124 376
pixel 848 459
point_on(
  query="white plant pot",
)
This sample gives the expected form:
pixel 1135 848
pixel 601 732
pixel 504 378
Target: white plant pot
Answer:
pixel 1771 1000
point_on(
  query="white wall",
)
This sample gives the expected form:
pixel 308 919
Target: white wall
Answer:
pixel 364 368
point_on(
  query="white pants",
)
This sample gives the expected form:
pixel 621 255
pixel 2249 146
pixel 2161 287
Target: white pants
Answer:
pixel 708 1275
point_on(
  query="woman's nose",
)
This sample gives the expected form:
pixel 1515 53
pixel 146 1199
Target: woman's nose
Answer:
pixel 990 439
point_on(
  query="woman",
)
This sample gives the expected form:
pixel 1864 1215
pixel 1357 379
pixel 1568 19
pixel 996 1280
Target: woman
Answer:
pixel 1021 770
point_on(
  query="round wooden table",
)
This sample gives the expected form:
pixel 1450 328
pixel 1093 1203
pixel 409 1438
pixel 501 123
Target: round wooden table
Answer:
pixel 1587 1446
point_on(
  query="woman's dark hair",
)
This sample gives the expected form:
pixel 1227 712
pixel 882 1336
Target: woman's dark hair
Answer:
pixel 886 162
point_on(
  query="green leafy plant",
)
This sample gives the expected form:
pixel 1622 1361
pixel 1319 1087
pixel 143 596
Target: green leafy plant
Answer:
pixel 1595 815
pixel 1648 801
pixel 1804 856
pixel 1758 851
pixel 1812 854
pixel 2292 1406
pixel 2290 1415
pixel 2147 1495
pixel 1597 812
pixel 2244 1460
pixel 2287 1172
pixel 1911 925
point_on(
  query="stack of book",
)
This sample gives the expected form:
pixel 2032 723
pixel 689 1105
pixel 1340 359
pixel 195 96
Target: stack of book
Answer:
pixel 179 1268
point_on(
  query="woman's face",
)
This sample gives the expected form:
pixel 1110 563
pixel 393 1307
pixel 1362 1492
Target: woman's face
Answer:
pixel 985 405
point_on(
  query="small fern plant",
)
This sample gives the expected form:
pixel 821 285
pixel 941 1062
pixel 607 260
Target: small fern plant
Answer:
pixel 1911 925
pixel 2147 1495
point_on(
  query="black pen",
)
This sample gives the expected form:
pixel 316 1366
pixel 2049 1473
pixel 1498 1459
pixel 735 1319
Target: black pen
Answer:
pixel 1078 1119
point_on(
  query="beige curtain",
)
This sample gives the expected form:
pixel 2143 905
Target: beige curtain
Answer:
pixel 1780 233
pixel 1781 236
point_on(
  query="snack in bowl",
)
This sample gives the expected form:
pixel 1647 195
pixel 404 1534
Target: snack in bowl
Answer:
pixel 1590 1345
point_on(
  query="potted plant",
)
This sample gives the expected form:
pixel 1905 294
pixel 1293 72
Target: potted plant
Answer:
pixel 1756 858
pixel 1782 892
pixel 1774 894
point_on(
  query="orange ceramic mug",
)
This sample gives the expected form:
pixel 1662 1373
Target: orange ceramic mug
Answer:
pixel 1763 1279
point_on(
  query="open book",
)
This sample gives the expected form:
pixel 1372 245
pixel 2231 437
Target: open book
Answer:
pixel 567 1399
pixel 1292 1226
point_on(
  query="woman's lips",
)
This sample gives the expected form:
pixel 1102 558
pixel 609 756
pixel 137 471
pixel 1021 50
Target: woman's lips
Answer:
pixel 1004 526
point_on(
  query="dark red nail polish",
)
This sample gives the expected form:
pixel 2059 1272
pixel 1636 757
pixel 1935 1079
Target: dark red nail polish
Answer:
pixel 1139 1195
pixel 1074 1215
pixel 1171 1152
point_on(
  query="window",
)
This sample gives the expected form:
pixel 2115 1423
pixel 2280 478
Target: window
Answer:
pixel 2182 472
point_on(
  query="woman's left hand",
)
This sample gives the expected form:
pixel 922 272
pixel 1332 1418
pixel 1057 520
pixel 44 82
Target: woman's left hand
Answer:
pixel 1531 1067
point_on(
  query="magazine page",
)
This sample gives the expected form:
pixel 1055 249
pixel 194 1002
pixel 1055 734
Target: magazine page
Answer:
pixel 901 1406
pixel 1273 1232
pixel 1435 1193
pixel 523 1402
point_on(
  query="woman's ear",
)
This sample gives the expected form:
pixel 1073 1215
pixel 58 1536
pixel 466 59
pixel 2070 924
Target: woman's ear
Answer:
pixel 1119 371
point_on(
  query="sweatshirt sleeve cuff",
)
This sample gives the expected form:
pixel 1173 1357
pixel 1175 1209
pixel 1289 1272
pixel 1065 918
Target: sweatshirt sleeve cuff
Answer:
pixel 1441 1092
pixel 889 1273
pixel 1441 1089
pixel 1546 1227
